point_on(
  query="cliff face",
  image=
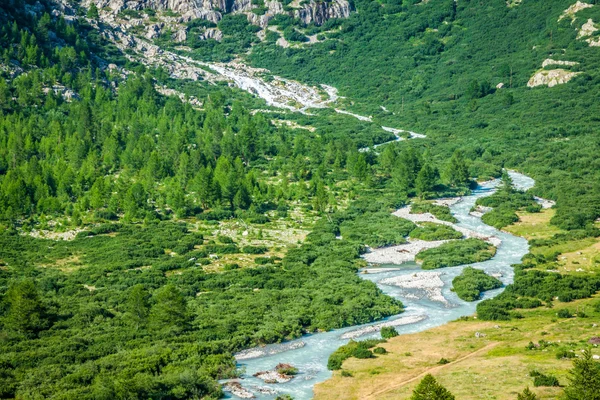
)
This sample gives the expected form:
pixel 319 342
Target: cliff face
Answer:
pixel 319 12
pixel 316 12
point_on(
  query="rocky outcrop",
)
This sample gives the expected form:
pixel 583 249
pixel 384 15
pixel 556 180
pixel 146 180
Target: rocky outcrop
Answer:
pixel 587 29
pixel 549 61
pixel 212 33
pixel 281 374
pixel 317 12
pixel 153 31
pixel 180 36
pixel 236 389
pixel 551 78
pixel 273 8
pixel 574 9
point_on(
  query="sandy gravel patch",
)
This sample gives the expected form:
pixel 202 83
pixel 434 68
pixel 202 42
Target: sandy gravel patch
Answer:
pixel 401 253
pixel 447 202
pixel 261 352
pixel 544 202
pixel 412 319
pixel 428 282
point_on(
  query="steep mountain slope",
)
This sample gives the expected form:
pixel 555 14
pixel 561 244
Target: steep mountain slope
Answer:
pixel 462 73
pixel 201 201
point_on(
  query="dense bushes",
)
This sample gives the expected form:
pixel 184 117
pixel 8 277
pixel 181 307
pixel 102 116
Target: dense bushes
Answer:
pixel 433 231
pixel 533 287
pixel 440 212
pixel 505 202
pixel 353 349
pixel 254 249
pixel 376 229
pixel 388 332
pixel 455 253
pixel 471 282
pixel 540 379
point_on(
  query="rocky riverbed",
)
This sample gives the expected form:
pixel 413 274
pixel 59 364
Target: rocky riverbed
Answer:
pixel 377 327
pixel 408 251
pixel 420 284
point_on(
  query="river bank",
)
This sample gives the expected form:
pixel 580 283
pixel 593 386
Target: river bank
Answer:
pixel 400 282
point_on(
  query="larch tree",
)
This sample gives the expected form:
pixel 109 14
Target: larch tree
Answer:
pixel 430 389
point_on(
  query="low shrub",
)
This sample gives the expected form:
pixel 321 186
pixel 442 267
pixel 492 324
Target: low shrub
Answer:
pixel 388 332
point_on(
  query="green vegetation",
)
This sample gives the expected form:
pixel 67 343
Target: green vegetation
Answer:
pixel 377 229
pixel 388 332
pixel 150 186
pixel 429 388
pixel 455 253
pixel 238 36
pixel 472 282
pixel 539 379
pixel 286 369
pixel 439 212
pixel 505 202
pixel 435 67
pixel 358 349
pixel 526 395
pixel 583 379
pixel 533 287
pixel 432 231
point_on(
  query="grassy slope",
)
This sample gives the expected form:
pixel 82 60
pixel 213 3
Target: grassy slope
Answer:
pixel 479 366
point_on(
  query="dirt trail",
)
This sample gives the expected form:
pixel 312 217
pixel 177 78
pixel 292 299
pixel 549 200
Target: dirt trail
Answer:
pixel 395 385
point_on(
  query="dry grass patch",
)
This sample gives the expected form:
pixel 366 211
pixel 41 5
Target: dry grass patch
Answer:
pixel 534 225
pixel 67 264
pixel 586 259
pixel 495 366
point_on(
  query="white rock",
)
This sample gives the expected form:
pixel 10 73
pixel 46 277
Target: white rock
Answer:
pixel 574 9
pixel 551 78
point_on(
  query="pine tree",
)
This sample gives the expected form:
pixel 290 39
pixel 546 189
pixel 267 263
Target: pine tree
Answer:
pixel 135 200
pixel 429 389
pixel 426 180
pixel 584 379
pixel 387 159
pixel 137 306
pixel 506 183
pixel 26 312
pixel 320 197
pixel 526 395
pixel 93 12
pixel 170 310
pixel 361 168
pixel 204 187
pixel 457 171
pixel 242 198
pixel 412 162
pixel 230 188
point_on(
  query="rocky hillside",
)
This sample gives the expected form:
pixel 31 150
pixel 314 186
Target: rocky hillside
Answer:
pixel 154 17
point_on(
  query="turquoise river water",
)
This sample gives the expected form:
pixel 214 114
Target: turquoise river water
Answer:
pixel 311 358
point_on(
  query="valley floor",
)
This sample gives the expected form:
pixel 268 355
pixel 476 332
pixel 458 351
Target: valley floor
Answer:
pixel 484 356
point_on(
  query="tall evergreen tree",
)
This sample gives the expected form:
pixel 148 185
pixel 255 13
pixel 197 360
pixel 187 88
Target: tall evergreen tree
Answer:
pixel 26 312
pixel 137 305
pixel 456 172
pixel 169 312
pixel 584 379
pixel 426 180
pixel 430 389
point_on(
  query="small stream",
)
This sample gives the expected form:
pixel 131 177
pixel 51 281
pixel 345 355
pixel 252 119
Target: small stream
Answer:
pixel 310 353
